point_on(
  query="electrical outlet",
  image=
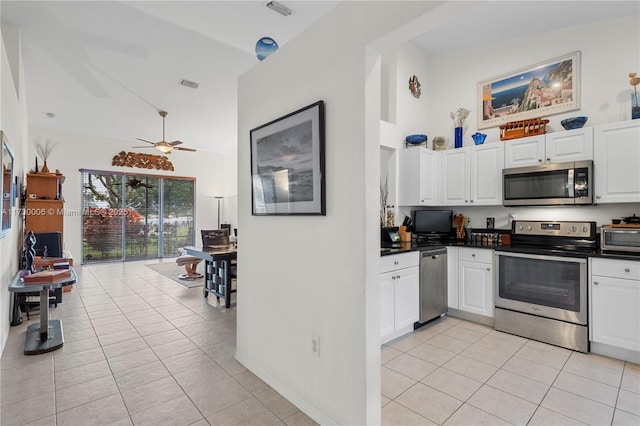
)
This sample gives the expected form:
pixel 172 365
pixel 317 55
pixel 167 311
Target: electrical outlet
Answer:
pixel 315 346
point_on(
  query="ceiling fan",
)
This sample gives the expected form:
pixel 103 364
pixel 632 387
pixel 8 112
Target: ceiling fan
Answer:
pixel 164 146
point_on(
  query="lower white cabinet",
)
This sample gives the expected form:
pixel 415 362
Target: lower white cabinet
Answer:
pixel 615 303
pixel 399 294
pixel 475 281
pixel 470 280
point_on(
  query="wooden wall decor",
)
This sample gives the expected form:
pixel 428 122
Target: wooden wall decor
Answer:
pixel 142 161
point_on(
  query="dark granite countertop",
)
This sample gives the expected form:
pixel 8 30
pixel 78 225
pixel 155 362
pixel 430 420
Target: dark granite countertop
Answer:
pixel 423 246
pixel 414 246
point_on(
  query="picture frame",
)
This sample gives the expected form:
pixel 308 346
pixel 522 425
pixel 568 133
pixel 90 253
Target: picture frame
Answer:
pixel 288 164
pixel 546 88
pixel 6 183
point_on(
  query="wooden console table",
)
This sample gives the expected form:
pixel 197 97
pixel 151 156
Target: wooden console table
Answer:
pixel 47 335
pixel 217 276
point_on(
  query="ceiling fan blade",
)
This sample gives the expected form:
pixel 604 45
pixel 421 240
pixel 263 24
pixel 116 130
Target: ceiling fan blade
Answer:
pixel 184 149
pixel 145 146
pixel 144 140
pixel 174 143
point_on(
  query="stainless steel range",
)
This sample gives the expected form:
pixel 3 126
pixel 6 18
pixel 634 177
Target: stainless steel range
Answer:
pixel 541 282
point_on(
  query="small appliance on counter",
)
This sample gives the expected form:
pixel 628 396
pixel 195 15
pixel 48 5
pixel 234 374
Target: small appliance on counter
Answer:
pixel 620 238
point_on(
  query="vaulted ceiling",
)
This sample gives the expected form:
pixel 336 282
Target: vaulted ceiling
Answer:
pixel 106 68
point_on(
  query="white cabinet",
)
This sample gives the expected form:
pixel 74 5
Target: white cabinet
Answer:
pixel 473 175
pixel 470 280
pixel 615 162
pixel 399 294
pixel 455 177
pixel 487 162
pixel 475 281
pixel 452 277
pixel 615 303
pixel 556 147
pixel 418 177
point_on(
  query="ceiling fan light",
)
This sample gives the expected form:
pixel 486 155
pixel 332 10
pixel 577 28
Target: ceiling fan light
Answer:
pixel 280 8
pixel 164 149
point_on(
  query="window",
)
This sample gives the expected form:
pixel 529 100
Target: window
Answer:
pixel 134 217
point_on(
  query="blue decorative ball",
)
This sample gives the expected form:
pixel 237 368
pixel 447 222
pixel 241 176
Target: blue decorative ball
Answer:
pixel 265 47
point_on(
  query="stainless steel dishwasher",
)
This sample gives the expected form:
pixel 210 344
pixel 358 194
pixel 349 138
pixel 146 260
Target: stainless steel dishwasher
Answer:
pixel 433 284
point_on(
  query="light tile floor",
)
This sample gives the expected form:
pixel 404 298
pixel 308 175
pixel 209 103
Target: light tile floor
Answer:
pixel 456 372
pixel 139 349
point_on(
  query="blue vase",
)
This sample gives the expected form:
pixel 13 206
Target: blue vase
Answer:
pixel 265 47
pixel 635 106
pixel 458 137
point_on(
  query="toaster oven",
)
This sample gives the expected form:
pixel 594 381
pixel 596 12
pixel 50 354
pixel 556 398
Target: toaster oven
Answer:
pixel 620 239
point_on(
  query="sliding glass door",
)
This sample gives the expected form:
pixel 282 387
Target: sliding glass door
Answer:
pixel 134 217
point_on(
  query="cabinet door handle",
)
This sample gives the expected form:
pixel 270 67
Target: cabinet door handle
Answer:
pixel 393 277
pixel 540 160
pixel 627 270
pixel 473 255
pixel 548 159
pixel 398 276
pixel 596 283
pixel 472 201
pixel 598 197
pixel 489 269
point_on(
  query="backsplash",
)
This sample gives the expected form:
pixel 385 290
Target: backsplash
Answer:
pixel 601 214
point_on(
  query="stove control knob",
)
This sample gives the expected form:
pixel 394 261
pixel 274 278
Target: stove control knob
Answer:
pixel 584 229
pixel 521 227
pixel 573 229
pixel 529 227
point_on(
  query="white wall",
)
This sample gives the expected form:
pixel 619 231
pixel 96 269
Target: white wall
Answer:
pixel 14 123
pixel 303 276
pixel 610 51
pixel 605 93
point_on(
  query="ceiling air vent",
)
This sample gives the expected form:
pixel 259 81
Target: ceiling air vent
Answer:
pixel 187 83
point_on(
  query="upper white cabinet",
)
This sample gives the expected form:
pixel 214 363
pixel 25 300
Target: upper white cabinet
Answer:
pixel 487 162
pixel 557 147
pixel 473 175
pixel 419 177
pixel 616 158
pixel 455 177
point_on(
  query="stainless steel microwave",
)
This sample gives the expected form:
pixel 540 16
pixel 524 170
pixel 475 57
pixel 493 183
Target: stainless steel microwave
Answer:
pixel 620 239
pixel 549 184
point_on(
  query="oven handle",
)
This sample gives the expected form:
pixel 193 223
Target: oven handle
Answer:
pixel 541 257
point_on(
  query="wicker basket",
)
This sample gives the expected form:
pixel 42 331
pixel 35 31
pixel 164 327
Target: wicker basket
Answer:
pixel 523 128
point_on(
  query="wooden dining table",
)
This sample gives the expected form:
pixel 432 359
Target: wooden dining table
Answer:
pixel 219 262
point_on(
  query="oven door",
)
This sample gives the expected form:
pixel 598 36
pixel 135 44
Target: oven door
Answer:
pixel 548 286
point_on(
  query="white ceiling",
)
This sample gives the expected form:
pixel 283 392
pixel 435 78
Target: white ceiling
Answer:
pixel 105 68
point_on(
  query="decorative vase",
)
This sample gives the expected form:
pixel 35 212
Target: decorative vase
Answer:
pixel 44 169
pixel 265 47
pixel 458 137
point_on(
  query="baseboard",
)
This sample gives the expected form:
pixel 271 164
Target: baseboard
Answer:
pixel 293 397
pixel 615 352
pixel 480 319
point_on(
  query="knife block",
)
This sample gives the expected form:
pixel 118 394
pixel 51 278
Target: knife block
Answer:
pixel 405 236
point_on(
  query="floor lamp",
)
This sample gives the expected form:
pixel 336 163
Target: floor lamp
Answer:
pixel 219 198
